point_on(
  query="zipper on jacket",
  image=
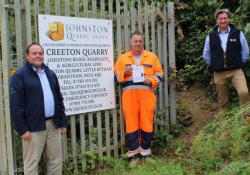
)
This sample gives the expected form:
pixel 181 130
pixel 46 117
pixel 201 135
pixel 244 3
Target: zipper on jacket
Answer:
pixel 224 53
pixel 225 66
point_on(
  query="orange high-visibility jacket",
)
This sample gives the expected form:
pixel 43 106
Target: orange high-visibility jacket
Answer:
pixel 150 62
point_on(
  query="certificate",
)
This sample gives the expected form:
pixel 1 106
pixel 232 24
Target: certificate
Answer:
pixel 138 73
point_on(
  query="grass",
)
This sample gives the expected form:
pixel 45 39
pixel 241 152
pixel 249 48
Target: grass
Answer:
pixel 161 166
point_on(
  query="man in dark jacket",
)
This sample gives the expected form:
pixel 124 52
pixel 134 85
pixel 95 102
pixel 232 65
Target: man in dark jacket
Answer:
pixel 37 110
pixel 225 50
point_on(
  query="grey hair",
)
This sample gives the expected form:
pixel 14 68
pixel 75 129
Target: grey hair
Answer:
pixel 221 12
pixel 136 33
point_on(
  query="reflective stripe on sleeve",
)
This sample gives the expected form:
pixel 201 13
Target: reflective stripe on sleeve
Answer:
pixel 158 80
pixel 158 76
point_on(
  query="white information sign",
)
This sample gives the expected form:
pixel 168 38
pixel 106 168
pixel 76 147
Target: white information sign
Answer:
pixel 80 52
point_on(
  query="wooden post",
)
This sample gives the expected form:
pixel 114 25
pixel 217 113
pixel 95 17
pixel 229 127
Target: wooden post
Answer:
pixel 171 39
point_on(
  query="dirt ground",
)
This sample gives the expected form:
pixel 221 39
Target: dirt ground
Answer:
pixel 197 110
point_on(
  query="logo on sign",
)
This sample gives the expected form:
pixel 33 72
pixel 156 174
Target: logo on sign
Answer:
pixel 56 31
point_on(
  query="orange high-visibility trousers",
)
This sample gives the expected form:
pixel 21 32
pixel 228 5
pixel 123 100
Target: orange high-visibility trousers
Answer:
pixel 138 107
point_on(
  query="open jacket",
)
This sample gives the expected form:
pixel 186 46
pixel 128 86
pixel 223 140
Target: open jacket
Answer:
pixel 27 101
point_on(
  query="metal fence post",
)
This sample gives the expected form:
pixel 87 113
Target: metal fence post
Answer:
pixel 6 78
pixel 171 39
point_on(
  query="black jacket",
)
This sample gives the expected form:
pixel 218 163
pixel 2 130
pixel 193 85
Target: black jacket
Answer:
pixel 27 102
pixel 231 58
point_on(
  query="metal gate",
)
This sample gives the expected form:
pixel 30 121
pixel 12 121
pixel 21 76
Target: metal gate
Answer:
pixel 101 133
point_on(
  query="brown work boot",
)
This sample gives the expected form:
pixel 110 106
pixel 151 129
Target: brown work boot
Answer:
pixel 134 162
pixel 148 159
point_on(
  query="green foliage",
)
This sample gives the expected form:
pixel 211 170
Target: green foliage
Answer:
pixel 222 147
pixel 224 141
pixel 160 139
pixel 195 19
pixel 238 167
pixel 178 147
pixel 165 133
pixel 189 73
pixel 161 166
pixel 182 113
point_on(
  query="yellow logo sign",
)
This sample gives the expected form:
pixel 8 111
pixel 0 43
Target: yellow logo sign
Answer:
pixel 56 31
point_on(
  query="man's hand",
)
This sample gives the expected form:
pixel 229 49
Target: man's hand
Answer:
pixel 128 70
pixel 26 136
pixel 147 81
pixel 63 130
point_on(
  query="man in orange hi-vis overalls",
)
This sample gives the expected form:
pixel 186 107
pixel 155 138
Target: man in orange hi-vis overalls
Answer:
pixel 138 99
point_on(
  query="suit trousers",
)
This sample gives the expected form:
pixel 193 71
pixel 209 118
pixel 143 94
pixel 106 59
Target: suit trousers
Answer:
pixel 50 140
pixel 238 80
